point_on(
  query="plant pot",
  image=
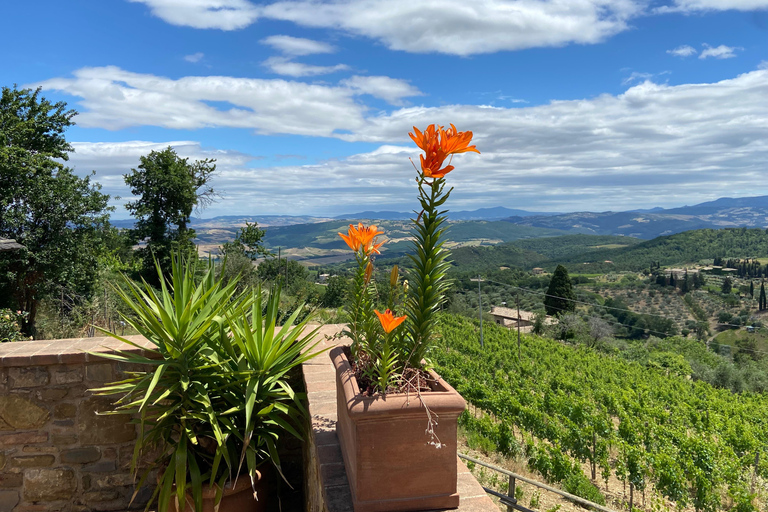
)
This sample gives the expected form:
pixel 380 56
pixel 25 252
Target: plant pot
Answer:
pixel 237 499
pixel 390 461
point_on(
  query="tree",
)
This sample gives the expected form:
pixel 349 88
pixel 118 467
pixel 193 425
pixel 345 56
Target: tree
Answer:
pixel 751 289
pixel 727 285
pixel 761 300
pixel 57 216
pixel 291 274
pixel 685 285
pixel 248 241
pixel 560 295
pixel 599 329
pixel 168 188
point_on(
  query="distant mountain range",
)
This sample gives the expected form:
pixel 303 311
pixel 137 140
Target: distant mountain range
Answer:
pixel 650 223
pixel 725 212
pixel 497 213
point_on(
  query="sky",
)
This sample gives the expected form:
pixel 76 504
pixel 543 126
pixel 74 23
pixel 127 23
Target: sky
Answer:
pixel 575 105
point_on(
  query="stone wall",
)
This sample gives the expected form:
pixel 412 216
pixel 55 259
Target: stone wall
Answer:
pixel 56 453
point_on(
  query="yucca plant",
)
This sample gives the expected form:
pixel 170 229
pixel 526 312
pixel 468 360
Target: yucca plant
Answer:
pixel 215 397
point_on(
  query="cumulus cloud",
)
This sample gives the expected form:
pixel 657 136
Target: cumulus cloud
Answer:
pixel 464 28
pixel 195 57
pixel 217 14
pixel 683 51
pixel 297 46
pixel 719 52
pixel 114 99
pixel 391 90
pixel 654 144
pixel 288 67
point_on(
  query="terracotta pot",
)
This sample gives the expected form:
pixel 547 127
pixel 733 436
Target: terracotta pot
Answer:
pixel 390 461
pixel 237 499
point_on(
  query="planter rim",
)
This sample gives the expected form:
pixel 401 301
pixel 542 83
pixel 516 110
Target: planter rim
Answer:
pixel 444 399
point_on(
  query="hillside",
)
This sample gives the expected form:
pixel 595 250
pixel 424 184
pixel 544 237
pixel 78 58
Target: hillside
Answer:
pixel 564 410
pixel 320 243
pixel 721 213
pixel 680 249
pixel 533 252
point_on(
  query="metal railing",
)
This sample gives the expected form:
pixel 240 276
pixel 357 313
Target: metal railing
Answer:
pixel 511 502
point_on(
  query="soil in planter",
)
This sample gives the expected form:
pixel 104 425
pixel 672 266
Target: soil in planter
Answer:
pixel 413 380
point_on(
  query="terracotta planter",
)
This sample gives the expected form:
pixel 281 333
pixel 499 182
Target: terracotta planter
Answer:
pixel 237 499
pixel 391 465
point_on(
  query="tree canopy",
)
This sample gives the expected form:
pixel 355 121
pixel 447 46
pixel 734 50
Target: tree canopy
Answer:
pixel 57 216
pixel 560 294
pixel 168 188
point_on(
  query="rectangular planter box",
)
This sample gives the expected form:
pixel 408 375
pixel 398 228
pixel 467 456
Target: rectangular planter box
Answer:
pixel 390 461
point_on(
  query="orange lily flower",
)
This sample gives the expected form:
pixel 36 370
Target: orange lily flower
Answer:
pixel 362 236
pixel 389 321
pixel 437 144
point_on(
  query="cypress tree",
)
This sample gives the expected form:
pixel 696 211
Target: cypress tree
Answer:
pixel 761 300
pixel 751 289
pixel 560 294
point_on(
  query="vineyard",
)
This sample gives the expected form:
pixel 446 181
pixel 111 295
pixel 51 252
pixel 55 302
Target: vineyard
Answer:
pixel 559 407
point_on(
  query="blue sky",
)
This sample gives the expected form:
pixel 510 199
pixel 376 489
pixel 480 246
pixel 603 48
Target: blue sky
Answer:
pixel 575 104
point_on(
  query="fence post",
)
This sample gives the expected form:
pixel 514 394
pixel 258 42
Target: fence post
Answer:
pixel 511 493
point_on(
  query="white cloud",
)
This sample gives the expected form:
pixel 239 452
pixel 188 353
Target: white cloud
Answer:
pixel 115 99
pixel 683 51
pixel 636 76
pixel 217 14
pixel 652 145
pixel 714 5
pixel 391 90
pixel 297 46
pixel 464 28
pixel 288 67
pixel 195 57
pixel 719 52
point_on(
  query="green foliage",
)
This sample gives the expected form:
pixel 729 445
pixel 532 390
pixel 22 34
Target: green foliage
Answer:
pixel 9 326
pixel 249 242
pixel 560 295
pixel 426 279
pixel 335 292
pixel 679 249
pixel 215 398
pixel 57 216
pixel 693 442
pixel 168 188
pixel 290 274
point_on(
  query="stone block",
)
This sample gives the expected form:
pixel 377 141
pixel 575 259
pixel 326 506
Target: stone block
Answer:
pixel 64 411
pixel 20 413
pixel 100 372
pixel 96 496
pixel 80 455
pixel 111 481
pixel 67 375
pixel 52 394
pixel 11 480
pixel 31 377
pixel 45 484
pixel 2 460
pixel 96 429
pixel 103 466
pixel 33 461
pixel 22 438
pixel 63 439
pixel 8 500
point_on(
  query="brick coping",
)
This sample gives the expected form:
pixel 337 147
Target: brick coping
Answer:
pixel 320 382
pixel 64 351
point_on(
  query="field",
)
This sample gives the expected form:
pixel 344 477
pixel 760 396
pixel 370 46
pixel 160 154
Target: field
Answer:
pixel 561 409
